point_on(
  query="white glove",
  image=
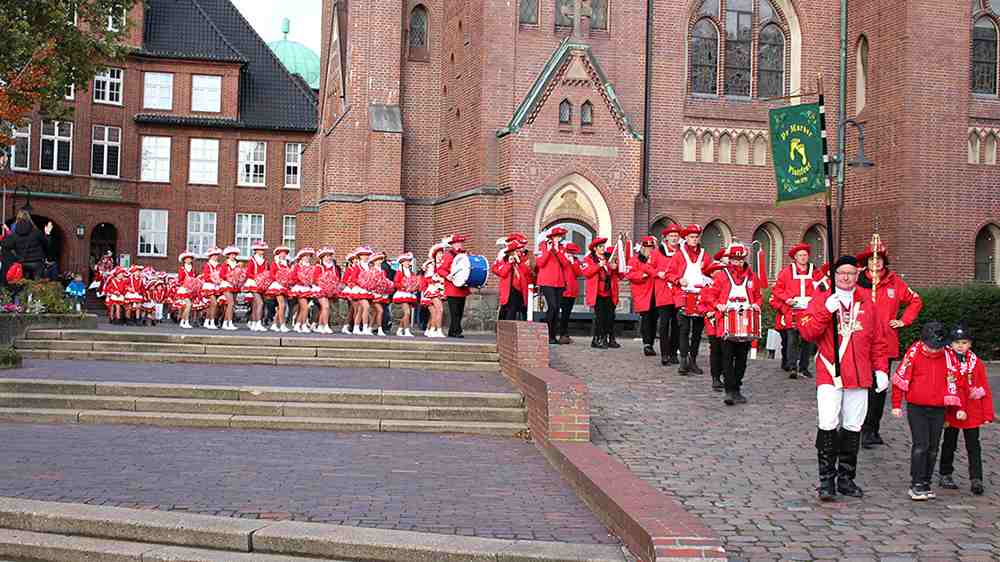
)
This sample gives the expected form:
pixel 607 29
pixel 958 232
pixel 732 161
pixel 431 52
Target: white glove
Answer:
pixel 832 303
pixel 881 381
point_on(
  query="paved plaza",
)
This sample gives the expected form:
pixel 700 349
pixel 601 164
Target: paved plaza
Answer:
pixel 749 471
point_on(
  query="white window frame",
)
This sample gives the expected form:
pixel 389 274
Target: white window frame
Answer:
pixel 293 165
pixel 248 162
pixel 21 133
pixel 57 140
pixel 158 90
pixel 198 163
pixel 70 94
pixel 116 26
pixel 154 232
pixel 200 88
pixel 200 240
pixel 107 144
pixel 288 234
pixel 245 232
pixel 151 165
pixel 104 83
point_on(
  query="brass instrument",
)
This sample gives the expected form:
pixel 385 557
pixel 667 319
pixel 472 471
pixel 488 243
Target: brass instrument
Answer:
pixel 876 244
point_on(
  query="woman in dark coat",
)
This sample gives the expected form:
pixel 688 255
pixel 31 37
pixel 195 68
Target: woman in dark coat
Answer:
pixel 28 245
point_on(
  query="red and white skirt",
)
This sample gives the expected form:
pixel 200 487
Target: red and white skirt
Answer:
pixel 404 297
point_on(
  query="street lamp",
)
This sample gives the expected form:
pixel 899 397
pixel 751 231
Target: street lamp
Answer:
pixel 80 231
pixel 859 162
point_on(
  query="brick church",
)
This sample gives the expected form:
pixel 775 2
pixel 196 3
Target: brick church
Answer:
pixel 443 116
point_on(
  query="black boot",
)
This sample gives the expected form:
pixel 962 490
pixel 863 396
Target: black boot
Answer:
pixel 826 449
pixel 675 359
pixel 683 368
pixel 648 351
pixel 717 383
pixel 868 439
pixel 730 398
pixel 847 463
pixel 598 343
pixel 611 341
pixel 693 365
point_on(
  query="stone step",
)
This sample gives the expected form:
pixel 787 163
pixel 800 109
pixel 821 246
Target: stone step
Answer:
pixel 238 339
pixel 260 408
pixel 224 421
pixel 249 351
pixel 324 362
pixel 265 393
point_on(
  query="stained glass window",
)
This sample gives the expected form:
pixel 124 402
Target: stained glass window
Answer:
pixel 984 57
pixel 599 14
pixel 771 62
pixel 528 12
pixel 418 28
pixel 704 57
pixel 587 113
pixel 565 112
pixel 739 36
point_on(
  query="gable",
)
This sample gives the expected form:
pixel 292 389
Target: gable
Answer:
pixel 575 64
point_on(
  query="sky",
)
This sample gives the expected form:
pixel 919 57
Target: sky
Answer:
pixel 265 16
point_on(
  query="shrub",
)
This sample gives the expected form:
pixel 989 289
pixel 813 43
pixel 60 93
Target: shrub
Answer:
pixel 47 297
pixel 9 358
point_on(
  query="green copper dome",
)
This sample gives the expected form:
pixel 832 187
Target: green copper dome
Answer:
pixel 297 58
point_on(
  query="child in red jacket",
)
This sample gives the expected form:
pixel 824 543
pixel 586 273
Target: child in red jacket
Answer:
pixel 928 378
pixel 975 386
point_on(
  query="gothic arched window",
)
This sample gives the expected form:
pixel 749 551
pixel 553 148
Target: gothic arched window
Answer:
pixel 861 80
pixel 716 235
pixel 418 32
pixel 816 238
pixel 528 12
pixel 987 252
pixel 753 48
pixel 769 237
pixel 984 56
pixel 565 112
pixel 587 114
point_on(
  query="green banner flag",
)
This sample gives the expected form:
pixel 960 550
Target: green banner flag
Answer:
pixel 797 151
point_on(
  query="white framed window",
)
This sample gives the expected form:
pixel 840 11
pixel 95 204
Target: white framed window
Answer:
pixel 252 163
pixel 288 232
pixel 158 90
pixel 200 232
pixel 155 159
pixel 249 229
pixel 108 86
pixel 70 94
pixel 293 164
pixel 153 233
pixel 203 162
pixel 106 149
pixel 116 22
pixel 206 93
pixel 21 150
pixel 57 147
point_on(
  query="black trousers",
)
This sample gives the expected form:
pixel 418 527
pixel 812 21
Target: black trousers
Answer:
pixel 552 296
pixel 604 317
pixel 926 423
pixel 972 447
pixel 513 309
pixel 387 317
pixel 33 269
pixel 800 352
pixel 456 310
pixel 715 356
pixel 876 406
pixel 785 359
pixel 690 334
pixel 734 363
pixel 565 310
pixel 649 324
pixel 669 333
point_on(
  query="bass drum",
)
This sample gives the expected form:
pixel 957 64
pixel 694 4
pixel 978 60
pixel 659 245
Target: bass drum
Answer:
pixel 469 271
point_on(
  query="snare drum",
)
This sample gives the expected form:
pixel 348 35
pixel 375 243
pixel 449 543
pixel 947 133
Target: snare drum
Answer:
pixel 690 304
pixel 741 324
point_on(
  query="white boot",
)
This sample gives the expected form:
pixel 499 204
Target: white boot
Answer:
pixel 358 331
pixel 210 325
pixel 228 325
pixel 380 332
pixel 305 329
pixel 399 332
pixel 367 330
pixel 274 328
pixel 408 333
pixel 345 330
pixel 283 329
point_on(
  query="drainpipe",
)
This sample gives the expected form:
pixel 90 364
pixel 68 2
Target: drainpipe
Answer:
pixel 647 117
pixel 841 125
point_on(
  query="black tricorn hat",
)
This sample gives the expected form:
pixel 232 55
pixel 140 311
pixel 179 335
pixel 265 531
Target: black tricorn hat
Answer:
pixel 935 335
pixel 961 332
pixel 845 260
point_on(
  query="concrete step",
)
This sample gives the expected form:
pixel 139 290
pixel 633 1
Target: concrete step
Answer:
pixel 228 421
pixel 36 530
pixel 429 398
pixel 238 339
pixel 325 362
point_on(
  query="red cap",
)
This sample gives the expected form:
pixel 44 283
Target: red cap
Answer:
pixel 456 238
pixel 516 236
pixel 649 241
pixel 672 228
pixel 557 231
pixel 514 246
pixel 716 266
pixel 882 251
pixel 737 251
pixel 572 248
pixel 691 229
pixel 798 248
pixel 596 242
pixel 719 255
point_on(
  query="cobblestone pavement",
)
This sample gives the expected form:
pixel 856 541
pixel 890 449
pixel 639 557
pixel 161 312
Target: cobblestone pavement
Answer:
pixel 261 375
pixel 750 471
pixel 462 485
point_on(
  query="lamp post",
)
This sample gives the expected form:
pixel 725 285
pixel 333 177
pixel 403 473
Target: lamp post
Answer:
pixel 860 161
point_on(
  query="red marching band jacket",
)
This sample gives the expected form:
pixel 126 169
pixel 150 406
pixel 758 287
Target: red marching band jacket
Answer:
pixel 550 262
pixel 890 293
pixel 718 291
pixel 679 264
pixel 596 276
pixel 571 271
pixel 504 269
pixel 444 270
pixel 863 347
pixel 794 283
pixel 642 275
pixel 665 289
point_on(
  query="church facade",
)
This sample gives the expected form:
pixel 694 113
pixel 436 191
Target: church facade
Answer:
pixel 486 116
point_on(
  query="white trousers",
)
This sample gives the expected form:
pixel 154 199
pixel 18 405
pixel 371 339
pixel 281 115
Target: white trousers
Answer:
pixel 841 407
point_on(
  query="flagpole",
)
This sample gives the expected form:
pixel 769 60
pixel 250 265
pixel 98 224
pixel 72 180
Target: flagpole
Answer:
pixel 829 228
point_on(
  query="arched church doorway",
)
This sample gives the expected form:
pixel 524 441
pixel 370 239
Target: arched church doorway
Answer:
pixel 103 239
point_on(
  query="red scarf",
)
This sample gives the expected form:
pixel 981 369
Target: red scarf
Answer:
pixel 901 378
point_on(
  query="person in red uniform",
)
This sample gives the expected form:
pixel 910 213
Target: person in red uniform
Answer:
pixel 928 379
pixel 211 278
pixel 454 294
pixel 666 295
pixel 600 269
pixel 734 286
pixel 280 286
pixel 642 275
pixel 571 273
pixel 890 293
pixel 550 260
pixel 328 281
pixel 842 402
pixel 232 276
pixel 188 288
pixel 713 325
pixel 687 272
pixel 256 265
pixel 515 276
pixel 790 297
pixel 975 386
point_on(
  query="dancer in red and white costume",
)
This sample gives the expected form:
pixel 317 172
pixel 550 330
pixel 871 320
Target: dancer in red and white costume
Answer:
pixel 434 291
pixel 135 293
pixel 211 278
pixel 380 288
pixel 232 277
pixel 188 288
pixel 281 274
pixel 255 267
pixel 303 289
pixel 348 288
pixel 362 296
pixel 328 281
pixel 407 285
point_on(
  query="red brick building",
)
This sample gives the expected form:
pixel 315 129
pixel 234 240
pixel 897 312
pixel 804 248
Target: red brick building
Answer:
pixel 195 140
pixel 490 116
